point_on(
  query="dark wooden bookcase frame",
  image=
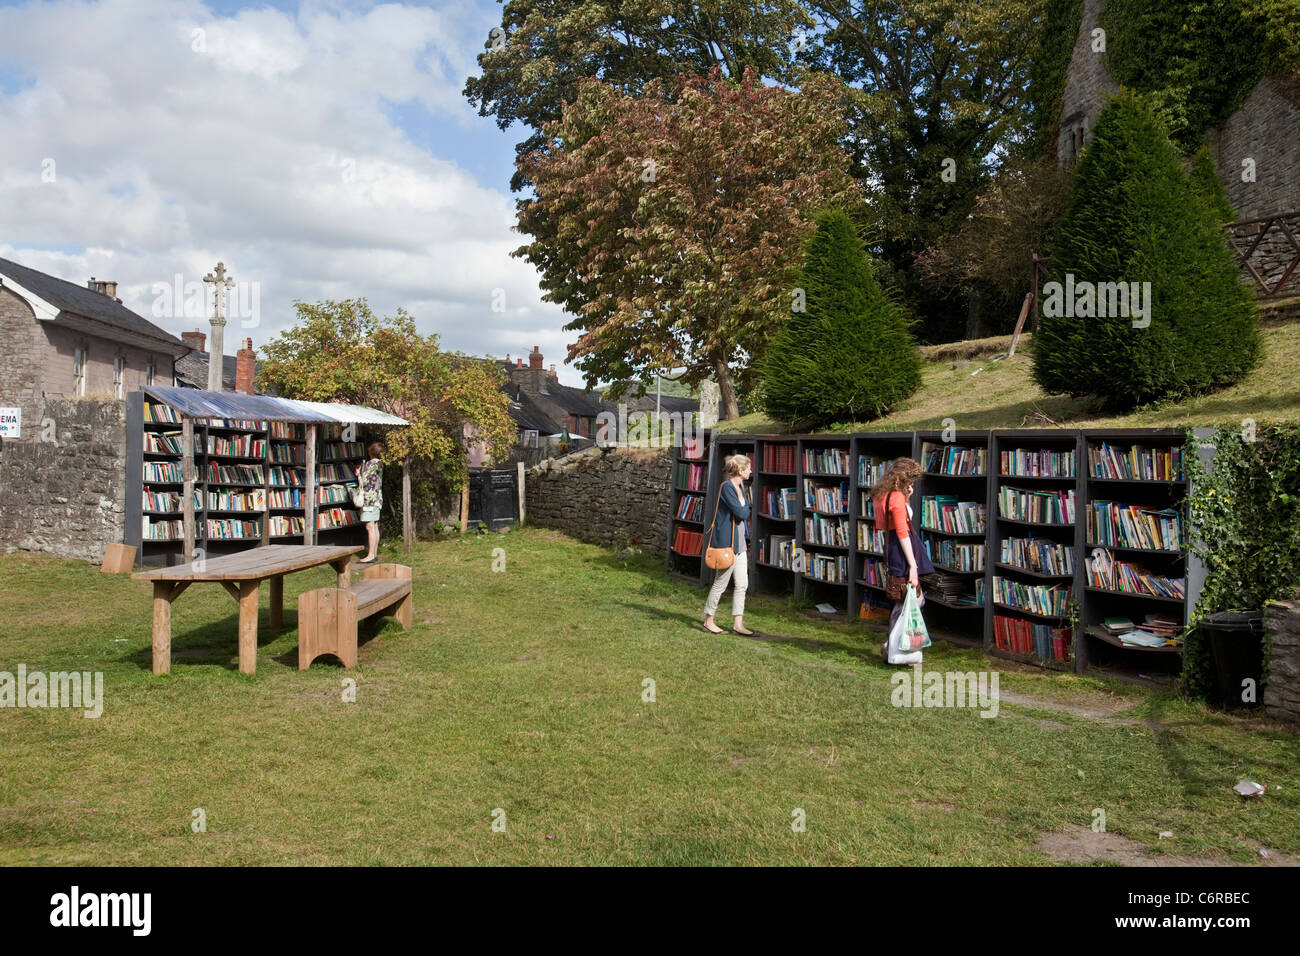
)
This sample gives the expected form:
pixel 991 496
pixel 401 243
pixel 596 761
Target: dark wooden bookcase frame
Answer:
pixel 688 566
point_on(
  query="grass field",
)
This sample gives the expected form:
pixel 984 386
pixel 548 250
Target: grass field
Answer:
pixel 962 382
pixel 523 690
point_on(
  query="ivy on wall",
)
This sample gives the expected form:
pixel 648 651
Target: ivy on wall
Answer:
pixel 1197 61
pixel 1049 70
pixel 1246 517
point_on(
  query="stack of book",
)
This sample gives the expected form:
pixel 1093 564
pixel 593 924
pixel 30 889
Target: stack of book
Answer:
pixel 227 528
pixel 690 508
pixel 818 529
pixel 152 530
pixel 1132 526
pixel 1041 507
pixel 288 498
pixel 946 513
pixel 343 473
pixel 869 540
pixel 780 502
pixel 1135 462
pixel 826 498
pixel 954 459
pixel 874 573
pixel 690 543
pixel 689 476
pixel 955 554
pixel 831 568
pixel 337 518
pixel 1158 630
pixel 1106 572
pixel 779 550
pixel 779 458
pixel 236 446
pixel 1038 555
pixel 165 443
pixel 1045 463
pixel 871 470
pixel 290 431
pixel 160 413
pixel 289 453
pixel 335 494
pixel 163 472
pixel 826 461
pixel 287 477
pixel 237 500
pixel 283 526
pixel 1019 636
pixel 1036 598
pixel 235 474
pixel 341 450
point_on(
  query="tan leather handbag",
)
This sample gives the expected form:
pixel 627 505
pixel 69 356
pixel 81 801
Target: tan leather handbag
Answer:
pixel 719 558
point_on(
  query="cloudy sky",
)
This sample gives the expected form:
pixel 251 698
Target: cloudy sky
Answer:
pixel 321 149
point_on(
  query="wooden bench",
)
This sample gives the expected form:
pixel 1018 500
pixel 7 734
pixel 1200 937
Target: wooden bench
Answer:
pixel 328 617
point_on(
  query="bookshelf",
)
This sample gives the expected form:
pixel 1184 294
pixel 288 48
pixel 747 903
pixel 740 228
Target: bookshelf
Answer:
pixel 824 533
pixel 1134 479
pixel 952 503
pixel 871 454
pixel 1034 545
pixel 249 483
pixel 687 516
pixel 777 531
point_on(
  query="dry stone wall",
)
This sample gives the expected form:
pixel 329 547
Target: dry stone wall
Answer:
pixel 63 492
pixel 595 493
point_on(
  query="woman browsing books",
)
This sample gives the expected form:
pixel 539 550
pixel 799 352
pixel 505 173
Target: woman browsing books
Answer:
pixel 370 481
pixel 905 558
pixel 729 530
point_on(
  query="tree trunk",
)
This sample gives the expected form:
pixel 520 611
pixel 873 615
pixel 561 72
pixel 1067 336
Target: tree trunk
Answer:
pixel 727 392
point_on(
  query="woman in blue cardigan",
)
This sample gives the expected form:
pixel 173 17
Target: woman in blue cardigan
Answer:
pixel 730 528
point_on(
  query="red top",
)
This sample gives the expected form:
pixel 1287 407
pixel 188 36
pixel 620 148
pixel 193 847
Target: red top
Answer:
pixel 898 520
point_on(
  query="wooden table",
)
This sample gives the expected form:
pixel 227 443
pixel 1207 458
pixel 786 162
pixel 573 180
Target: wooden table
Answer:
pixel 242 575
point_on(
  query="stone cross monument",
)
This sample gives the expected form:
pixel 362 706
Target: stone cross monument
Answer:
pixel 220 282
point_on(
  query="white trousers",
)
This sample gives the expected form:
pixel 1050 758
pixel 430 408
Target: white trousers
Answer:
pixel 740 570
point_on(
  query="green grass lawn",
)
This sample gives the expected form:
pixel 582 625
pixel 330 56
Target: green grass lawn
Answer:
pixel 978 393
pixel 522 690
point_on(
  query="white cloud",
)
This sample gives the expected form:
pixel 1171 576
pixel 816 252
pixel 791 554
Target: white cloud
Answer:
pixel 266 141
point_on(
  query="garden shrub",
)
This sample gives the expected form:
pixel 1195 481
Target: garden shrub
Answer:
pixel 1135 217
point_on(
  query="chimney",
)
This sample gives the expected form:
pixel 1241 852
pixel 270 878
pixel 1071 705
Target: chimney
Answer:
pixel 535 358
pixel 194 339
pixel 519 363
pixel 245 368
pixel 552 371
pixel 103 287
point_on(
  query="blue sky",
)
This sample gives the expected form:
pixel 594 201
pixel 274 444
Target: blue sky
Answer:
pixel 320 149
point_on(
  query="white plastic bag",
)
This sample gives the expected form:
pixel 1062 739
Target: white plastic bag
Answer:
pixel 909 633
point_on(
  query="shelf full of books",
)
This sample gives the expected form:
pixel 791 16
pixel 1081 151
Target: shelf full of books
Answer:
pixel 872 456
pixel 689 478
pixel 953 521
pixel 826 468
pixel 1138 579
pixel 249 482
pixel 777 515
pixel 1033 584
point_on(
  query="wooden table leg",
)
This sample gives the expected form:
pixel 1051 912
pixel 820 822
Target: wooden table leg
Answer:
pixel 248 591
pixel 344 568
pixel 277 602
pixel 162 627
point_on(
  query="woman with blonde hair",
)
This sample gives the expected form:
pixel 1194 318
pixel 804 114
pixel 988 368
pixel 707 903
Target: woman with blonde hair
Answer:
pixel 730 528
pixel 905 557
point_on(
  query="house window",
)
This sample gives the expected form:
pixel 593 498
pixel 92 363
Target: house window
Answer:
pixel 119 372
pixel 148 374
pixel 530 438
pixel 79 372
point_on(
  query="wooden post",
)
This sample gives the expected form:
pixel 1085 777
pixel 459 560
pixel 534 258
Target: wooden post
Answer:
pixel 277 602
pixel 187 475
pixel 309 490
pixel 408 522
pixel 523 507
pixel 162 627
pixel 248 626
pixel 464 505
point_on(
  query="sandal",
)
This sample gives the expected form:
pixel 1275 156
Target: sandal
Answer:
pixel 715 630
pixel 746 633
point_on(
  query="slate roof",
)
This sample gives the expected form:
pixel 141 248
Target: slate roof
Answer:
pixel 528 416
pixel 192 370
pixel 79 300
pixel 575 401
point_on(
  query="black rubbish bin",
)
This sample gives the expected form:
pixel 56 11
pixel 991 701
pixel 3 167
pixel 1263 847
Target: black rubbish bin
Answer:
pixel 1236 647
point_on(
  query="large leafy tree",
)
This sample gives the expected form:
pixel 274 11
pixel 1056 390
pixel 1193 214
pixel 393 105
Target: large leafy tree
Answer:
pixel 535 60
pixel 340 351
pixel 1134 216
pixel 937 85
pixel 848 354
pixel 670 223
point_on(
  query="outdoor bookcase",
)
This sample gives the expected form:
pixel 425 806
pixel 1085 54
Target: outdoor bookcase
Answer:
pixel 217 472
pixel 1021 481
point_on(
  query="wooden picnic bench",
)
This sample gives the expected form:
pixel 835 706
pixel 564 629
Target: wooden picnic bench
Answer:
pixel 328 617
pixel 242 575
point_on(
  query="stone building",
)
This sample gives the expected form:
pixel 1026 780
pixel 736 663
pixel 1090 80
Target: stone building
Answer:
pixel 60 340
pixel 1265 129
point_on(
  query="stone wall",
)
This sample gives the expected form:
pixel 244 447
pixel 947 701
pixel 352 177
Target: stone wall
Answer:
pixel 63 492
pixel 1282 692
pixel 1266 129
pixel 593 494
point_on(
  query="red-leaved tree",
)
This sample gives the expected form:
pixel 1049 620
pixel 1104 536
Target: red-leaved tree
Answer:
pixel 672 224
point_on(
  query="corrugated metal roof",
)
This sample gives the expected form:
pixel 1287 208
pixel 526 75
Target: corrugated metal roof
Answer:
pixel 200 403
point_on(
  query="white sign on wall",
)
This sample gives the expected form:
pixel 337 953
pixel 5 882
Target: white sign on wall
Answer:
pixel 11 423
